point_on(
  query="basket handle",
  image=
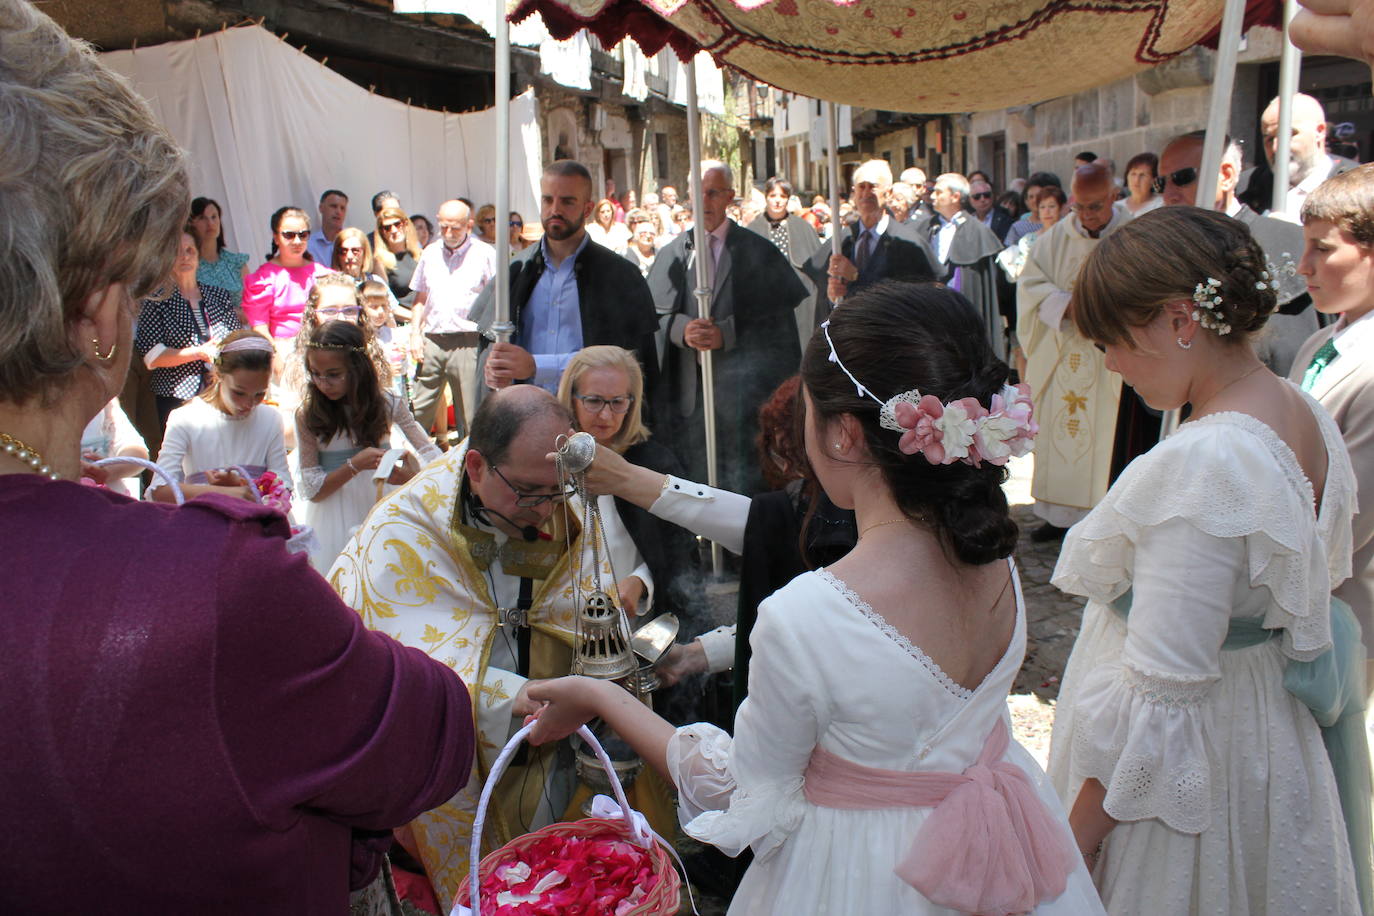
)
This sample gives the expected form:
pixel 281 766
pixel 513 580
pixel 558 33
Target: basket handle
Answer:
pixel 498 768
pixel 157 469
pixel 249 480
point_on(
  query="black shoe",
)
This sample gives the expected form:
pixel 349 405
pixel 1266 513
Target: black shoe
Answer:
pixel 1047 532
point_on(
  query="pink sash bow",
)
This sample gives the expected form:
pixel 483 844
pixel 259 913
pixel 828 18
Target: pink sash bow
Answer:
pixel 989 847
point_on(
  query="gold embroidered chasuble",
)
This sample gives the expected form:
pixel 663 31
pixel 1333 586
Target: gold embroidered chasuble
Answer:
pixel 410 572
pixel 1076 397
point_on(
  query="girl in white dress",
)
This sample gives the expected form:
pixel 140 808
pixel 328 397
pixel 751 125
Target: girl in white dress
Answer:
pixel 1197 783
pixel 343 430
pixel 226 425
pixel 871 768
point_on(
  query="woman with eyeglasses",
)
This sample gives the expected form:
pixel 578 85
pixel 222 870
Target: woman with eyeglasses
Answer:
pixel 652 558
pixel 604 230
pixel 178 333
pixel 395 252
pixel 1140 176
pixel 274 295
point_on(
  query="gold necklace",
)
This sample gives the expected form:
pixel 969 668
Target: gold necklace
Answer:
pixel 22 452
pixel 1234 381
pixel 891 521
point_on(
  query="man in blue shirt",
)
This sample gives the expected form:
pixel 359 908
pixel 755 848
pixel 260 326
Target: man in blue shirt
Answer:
pixel 567 294
pixel 333 212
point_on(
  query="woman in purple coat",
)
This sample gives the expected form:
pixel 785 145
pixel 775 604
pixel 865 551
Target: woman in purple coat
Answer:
pixel 193 722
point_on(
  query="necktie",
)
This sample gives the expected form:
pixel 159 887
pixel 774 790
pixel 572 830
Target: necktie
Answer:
pixel 863 250
pixel 1320 360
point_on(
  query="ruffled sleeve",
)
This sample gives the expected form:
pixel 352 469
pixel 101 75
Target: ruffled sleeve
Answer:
pixel 308 455
pixel 1194 531
pixel 405 421
pixel 748 791
pixel 1141 727
pixel 1230 477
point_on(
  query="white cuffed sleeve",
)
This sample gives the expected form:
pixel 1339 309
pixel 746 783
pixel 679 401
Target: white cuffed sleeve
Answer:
pixel 748 791
pixel 717 515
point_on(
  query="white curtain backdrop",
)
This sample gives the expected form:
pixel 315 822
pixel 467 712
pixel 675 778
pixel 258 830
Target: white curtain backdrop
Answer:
pixel 267 126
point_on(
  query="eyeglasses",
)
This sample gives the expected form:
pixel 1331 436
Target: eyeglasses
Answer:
pixel 517 224
pixel 596 405
pixel 1180 179
pixel 387 227
pixel 445 227
pixel 488 219
pixel 295 236
pixel 1090 208
pixel 337 311
pixel 981 195
pixel 352 249
pixel 530 500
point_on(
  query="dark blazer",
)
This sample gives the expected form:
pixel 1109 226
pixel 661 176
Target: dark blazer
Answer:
pixel 802 245
pixel 902 253
pixel 971 263
pixel 754 302
pixel 1255 188
pixel 1000 223
pixel 612 296
pixel 668 550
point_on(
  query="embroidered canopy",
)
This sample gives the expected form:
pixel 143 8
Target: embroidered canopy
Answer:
pixel 912 55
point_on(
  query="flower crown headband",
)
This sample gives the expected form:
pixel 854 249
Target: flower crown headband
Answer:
pixel 962 430
pixel 342 348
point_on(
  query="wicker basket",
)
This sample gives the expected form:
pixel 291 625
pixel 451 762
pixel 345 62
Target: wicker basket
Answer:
pixel 662 899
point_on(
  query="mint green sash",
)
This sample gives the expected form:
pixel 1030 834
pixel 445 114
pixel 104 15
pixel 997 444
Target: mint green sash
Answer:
pixel 1332 687
pixel 333 459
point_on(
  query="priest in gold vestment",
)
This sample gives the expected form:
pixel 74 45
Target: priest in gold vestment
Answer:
pixel 1075 396
pixel 455 564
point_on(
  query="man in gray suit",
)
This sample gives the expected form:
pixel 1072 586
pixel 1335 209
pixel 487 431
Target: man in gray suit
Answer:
pixel 750 331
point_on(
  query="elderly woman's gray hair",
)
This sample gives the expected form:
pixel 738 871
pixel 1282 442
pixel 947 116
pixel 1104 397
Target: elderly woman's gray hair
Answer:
pixel 92 192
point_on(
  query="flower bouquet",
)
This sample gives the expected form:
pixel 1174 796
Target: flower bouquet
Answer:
pixel 611 864
pixel 269 490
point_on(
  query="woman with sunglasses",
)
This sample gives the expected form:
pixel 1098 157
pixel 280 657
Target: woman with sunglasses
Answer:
pixel 274 295
pixel 395 252
pixel 603 386
pixel 486 223
pixel 519 238
pixel 1140 176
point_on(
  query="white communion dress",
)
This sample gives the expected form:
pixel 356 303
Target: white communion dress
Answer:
pixel 830 674
pixel 1219 776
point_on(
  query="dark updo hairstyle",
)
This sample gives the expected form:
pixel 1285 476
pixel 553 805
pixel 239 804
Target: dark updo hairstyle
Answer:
pixel 1160 258
pixel 895 337
pixel 362 412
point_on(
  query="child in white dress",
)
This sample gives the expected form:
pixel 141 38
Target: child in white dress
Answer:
pixel 1188 740
pixel 871 768
pixel 343 430
pixel 226 425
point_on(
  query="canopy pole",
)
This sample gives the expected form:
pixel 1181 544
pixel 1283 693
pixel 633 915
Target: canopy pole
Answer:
pixel 704 286
pixel 1218 120
pixel 502 325
pixel 833 155
pixel 1290 66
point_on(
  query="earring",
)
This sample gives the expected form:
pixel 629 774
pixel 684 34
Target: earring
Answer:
pixel 1185 344
pixel 95 343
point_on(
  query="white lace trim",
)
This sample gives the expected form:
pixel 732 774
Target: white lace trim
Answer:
pixel 896 636
pixel 1143 736
pixel 1173 690
pixel 1296 556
